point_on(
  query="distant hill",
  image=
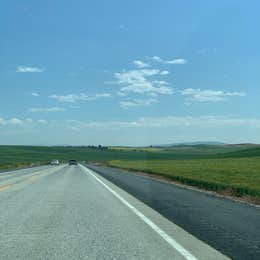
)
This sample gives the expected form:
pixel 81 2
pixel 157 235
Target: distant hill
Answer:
pixel 191 144
pixel 244 144
pixel 251 151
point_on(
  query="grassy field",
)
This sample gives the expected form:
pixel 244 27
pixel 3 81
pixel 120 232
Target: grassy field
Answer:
pixel 11 155
pixel 236 176
pixel 222 168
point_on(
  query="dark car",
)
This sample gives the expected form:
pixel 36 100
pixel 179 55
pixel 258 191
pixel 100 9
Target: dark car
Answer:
pixel 73 162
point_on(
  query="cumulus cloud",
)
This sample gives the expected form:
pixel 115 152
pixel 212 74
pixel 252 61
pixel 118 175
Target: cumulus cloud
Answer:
pixel 208 95
pixel 26 69
pixel 174 61
pixel 140 82
pixel 141 64
pixel 47 109
pixel 137 102
pixel 72 98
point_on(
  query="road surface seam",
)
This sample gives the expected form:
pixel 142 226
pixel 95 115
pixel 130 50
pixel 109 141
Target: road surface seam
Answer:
pixel 150 223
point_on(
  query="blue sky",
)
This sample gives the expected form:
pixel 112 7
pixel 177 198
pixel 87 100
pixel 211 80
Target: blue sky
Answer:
pixel 129 72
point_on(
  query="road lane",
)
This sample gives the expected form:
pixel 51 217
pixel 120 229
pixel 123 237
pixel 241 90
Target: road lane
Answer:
pixel 4 176
pixel 68 214
pixel 231 227
pixel 11 178
pixel 172 242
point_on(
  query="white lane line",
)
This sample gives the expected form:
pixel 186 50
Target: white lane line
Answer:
pixel 150 223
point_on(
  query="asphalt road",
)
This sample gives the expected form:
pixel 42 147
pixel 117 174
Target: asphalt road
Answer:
pixel 71 212
pixel 230 227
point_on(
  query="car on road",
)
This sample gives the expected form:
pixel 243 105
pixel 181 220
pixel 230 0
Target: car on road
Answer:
pixel 55 162
pixel 73 162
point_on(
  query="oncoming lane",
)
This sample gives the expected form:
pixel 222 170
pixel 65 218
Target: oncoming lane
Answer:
pixel 9 179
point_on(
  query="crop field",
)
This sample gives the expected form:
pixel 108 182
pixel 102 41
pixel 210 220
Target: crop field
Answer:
pixel 233 169
pixel 236 176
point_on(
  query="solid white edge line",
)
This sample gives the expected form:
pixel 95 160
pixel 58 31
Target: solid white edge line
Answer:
pixel 150 223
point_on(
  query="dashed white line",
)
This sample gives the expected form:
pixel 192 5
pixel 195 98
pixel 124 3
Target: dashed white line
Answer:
pixel 150 223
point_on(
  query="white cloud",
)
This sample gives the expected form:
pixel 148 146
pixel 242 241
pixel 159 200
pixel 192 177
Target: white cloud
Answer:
pixel 28 120
pixel 177 61
pixel 137 81
pixel 35 94
pixel 29 69
pixel 137 103
pixel 174 61
pixel 202 121
pixel 72 98
pixel 12 121
pixel 15 121
pixel 47 109
pixel 42 121
pixel 102 95
pixel 208 95
pixel 73 128
pixel 165 72
pixel 140 64
pixel 153 94
pixel 160 82
pixel 171 121
pixel 20 122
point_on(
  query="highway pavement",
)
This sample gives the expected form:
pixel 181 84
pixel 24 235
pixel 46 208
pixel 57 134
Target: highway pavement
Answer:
pixel 71 212
pixel 232 228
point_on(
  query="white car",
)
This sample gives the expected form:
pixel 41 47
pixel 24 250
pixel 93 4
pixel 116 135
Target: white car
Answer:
pixel 55 162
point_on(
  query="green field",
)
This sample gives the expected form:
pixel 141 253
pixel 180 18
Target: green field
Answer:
pixel 233 169
pixel 236 176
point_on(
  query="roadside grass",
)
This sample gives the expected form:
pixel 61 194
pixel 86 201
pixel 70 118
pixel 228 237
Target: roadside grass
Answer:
pixel 236 176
